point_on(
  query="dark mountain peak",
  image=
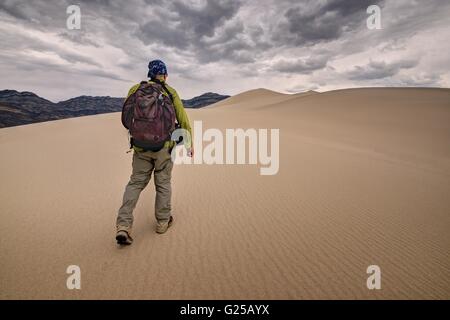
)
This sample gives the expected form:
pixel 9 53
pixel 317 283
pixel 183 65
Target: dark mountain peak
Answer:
pixel 15 93
pixel 23 100
pixel 210 94
pixel 26 107
pixel 204 100
pixel 84 98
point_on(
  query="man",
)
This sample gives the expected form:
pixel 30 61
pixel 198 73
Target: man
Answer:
pixel 151 160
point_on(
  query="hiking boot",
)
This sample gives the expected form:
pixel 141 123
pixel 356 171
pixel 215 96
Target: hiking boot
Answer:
pixel 123 235
pixel 161 227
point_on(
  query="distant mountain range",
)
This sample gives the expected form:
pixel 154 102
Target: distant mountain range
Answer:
pixel 17 108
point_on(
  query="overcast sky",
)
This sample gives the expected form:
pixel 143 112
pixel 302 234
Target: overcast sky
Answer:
pixel 222 46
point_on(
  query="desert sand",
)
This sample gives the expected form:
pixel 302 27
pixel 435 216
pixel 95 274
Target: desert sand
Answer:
pixel 364 180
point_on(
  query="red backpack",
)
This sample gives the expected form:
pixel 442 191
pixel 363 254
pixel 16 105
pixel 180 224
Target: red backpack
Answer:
pixel 149 115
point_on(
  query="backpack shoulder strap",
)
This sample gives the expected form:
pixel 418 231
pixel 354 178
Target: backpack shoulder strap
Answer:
pixel 163 85
pixel 143 83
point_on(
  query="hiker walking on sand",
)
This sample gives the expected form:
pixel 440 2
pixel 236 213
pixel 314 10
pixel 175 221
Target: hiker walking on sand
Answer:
pixel 151 113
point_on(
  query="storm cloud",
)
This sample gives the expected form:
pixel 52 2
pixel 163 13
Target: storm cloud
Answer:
pixel 379 69
pixel 225 46
pixel 316 21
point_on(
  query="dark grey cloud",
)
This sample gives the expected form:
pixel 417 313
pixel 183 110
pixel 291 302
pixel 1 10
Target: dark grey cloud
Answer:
pixel 14 9
pixel 311 22
pixel 379 69
pixel 227 43
pixel 165 34
pixel 182 26
pixel 203 30
pixel 203 21
pixel 302 65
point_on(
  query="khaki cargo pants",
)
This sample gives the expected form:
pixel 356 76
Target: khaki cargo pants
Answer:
pixel 144 163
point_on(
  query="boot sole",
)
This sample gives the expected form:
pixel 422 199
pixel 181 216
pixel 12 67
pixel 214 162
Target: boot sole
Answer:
pixel 123 240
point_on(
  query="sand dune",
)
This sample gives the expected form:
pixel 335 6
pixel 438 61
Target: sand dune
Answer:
pixel 252 97
pixel 364 180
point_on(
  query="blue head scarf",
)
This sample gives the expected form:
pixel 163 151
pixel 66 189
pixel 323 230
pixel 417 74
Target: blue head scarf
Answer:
pixel 156 67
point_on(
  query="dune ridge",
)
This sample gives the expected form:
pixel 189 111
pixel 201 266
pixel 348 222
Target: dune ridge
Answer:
pixel 364 180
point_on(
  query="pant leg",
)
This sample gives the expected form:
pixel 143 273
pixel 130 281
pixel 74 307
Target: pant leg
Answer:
pixel 163 174
pixel 142 171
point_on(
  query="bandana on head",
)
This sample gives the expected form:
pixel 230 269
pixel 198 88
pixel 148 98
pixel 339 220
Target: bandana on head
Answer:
pixel 156 67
